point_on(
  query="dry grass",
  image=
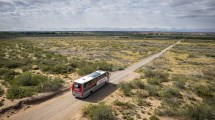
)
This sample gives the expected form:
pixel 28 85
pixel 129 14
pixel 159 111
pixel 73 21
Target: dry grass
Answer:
pixel 188 92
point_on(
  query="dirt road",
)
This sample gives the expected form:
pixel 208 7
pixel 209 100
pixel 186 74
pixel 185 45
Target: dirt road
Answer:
pixel 65 106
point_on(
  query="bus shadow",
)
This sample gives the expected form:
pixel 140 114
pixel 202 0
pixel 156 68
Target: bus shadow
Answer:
pixel 101 93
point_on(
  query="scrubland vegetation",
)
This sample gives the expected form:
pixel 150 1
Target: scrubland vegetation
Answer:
pixel 178 85
pixel 32 65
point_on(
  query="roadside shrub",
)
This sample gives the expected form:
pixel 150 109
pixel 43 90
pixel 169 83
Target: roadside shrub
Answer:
pixel 100 111
pixel 123 104
pixel 16 92
pixel 29 79
pixel 149 73
pixel 86 70
pixel 104 66
pixel 153 90
pixel 137 83
pixel 156 74
pixel 125 87
pixel 154 80
pixel 50 85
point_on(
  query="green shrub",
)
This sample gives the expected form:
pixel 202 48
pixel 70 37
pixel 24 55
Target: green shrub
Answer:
pixel 168 111
pixel 203 90
pixel 86 70
pixel 149 73
pixel 154 80
pixel 104 66
pixel 9 75
pixel 180 83
pixel 159 75
pixel 16 92
pixel 60 68
pixel 125 87
pixel 137 83
pixel 29 79
pixel 50 85
pixel 200 112
pixel 153 117
pixel 123 104
pixel 172 102
pixel 13 64
pixel 153 90
pixel 142 102
pixel 170 92
pixel 26 68
pixel 100 111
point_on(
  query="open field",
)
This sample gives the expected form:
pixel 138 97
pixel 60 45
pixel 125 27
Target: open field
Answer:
pixel 178 85
pixel 33 65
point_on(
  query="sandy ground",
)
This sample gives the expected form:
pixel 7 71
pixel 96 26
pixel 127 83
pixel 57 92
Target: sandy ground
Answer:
pixel 66 106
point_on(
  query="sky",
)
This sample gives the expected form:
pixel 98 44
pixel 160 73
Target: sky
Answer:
pixel 70 15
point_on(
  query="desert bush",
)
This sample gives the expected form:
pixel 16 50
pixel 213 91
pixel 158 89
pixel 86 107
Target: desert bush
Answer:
pixel 180 83
pixel 26 68
pixel 200 111
pixel 153 90
pixel 50 85
pixel 157 76
pixel 142 94
pixel 137 83
pixel 125 87
pixel 209 74
pixel 86 70
pixel 103 66
pixel 60 68
pixel 168 111
pixel 149 73
pixel 13 64
pixel 123 104
pixel 154 80
pixel 170 92
pixel 16 92
pixel 172 102
pixel 29 79
pixel 202 90
pixel 100 111
pixel 153 117
pixel 142 102
pixel 9 75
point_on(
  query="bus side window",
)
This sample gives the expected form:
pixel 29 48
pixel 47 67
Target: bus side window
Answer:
pixel 84 86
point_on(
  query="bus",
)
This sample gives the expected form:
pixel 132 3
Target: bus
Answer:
pixel 88 84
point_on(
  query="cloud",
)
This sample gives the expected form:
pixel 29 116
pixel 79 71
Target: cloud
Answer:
pixel 70 14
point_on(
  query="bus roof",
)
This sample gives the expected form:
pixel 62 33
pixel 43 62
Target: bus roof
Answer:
pixel 89 77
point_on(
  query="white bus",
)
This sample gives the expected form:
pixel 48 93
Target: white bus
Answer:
pixel 88 84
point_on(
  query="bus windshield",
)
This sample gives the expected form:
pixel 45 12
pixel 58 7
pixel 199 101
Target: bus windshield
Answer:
pixel 77 86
